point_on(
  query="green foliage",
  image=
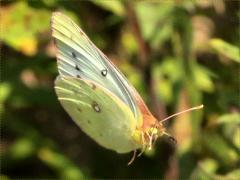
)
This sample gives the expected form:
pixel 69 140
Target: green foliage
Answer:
pixel 21 26
pixel 192 59
pixel 114 6
pixel 226 49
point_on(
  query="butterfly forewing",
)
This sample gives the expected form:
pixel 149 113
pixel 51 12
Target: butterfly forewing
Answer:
pixel 78 57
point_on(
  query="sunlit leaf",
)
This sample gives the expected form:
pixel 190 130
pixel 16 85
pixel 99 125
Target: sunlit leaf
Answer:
pixel 154 20
pixel 129 42
pixel 229 118
pixel 230 125
pixel 22 148
pixel 3 177
pixel 165 76
pixel 21 25
pixel 5 90
pixel 50 3
pixel 59 162
pixel 226 49
pixel 233 174
pixel 220 149
pixel 114 6
pixel 205 170
pixel 202 78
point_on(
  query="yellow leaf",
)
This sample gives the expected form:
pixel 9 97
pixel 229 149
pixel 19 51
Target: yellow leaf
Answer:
pixel 28 46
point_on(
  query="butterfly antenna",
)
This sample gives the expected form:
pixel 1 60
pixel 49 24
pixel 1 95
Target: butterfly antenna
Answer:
pixel 176 114
pixel 142 151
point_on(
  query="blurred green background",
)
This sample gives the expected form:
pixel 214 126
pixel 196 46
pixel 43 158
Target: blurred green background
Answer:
pixel 177 54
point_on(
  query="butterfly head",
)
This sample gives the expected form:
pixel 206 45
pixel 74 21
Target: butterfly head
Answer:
pixel 147 136
pixel 153 133
pixel 152 129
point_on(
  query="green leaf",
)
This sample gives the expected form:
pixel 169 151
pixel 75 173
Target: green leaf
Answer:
pixel 220 149
pixel 226 49
pixel 233 174
pixel 22 148
pixel 229 118
pixel 230 127
pixel 21 26
pixel 165 76
pixel 205 169
pixel 202 78
pixel 154 20
pixel 58 162
pixel 4 177
pixel 114 6
pixel 5 90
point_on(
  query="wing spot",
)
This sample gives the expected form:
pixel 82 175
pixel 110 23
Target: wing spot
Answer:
pixel 79 110
pixel 74 55
pixel 77 68
pixel 96 107
pixel 104 72
pixel 78 76
pixel 94 86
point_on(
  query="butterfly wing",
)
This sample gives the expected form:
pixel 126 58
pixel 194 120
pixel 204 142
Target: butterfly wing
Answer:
pixel 98 112
pixel 79 57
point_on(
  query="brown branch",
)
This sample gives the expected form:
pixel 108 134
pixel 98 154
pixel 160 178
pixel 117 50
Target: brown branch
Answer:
pixel 143 46
pixel 145 64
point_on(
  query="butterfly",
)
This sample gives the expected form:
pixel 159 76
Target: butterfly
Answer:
pixel 97 96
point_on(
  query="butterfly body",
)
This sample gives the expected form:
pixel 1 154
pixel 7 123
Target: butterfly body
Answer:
pixel 96 94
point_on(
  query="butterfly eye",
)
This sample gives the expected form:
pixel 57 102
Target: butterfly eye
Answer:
pixel 96 107
pixel 104 72
pixel 172 139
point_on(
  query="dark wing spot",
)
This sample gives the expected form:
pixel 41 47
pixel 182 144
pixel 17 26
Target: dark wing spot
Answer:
pixel 77 68
pixel 104 72
pixel 74 55
pixel 94 86
pixel 78 76
pixel 96 107
pixel 79 109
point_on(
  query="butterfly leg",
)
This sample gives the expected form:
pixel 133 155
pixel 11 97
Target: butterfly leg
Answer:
pixel 144 145
pixel 133 157
pixel 150 140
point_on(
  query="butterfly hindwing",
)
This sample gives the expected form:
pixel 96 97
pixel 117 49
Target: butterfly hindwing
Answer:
pixel 98 112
